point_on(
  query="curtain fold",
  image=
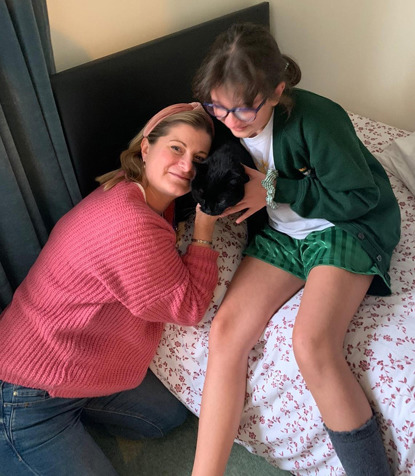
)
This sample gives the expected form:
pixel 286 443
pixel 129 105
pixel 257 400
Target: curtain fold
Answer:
pixel 37 181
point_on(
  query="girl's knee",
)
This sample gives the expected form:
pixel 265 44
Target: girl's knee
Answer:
pixel 227 338
pixel 220 334
pixel 313 351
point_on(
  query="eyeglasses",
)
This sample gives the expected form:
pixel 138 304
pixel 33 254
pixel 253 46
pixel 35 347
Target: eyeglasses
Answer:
pixel 244 114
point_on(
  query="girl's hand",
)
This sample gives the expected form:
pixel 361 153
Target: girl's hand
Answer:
pixel 254 198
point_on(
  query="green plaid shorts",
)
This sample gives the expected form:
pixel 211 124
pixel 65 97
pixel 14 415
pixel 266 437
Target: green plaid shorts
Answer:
pixel 332 246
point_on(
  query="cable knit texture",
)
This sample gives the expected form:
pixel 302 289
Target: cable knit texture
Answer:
pixel 87 319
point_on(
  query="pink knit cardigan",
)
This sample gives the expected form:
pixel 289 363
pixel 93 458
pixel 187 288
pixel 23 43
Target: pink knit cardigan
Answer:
pixel 87 319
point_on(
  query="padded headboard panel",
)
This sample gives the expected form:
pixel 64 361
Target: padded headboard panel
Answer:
pixel 104 103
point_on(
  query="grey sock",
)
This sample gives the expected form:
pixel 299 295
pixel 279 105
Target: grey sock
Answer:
pixel 361 451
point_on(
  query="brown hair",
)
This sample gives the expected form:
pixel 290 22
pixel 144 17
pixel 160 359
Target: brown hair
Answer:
pixel 132 165
pixel 247 57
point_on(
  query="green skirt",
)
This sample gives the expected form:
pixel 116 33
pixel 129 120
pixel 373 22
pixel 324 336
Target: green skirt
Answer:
pixel 332 247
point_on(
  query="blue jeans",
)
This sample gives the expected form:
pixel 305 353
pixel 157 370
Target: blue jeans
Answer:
pixel 41 435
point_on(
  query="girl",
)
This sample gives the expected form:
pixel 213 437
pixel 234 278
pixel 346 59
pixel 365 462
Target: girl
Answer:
pixel 333 224
pixel 78 337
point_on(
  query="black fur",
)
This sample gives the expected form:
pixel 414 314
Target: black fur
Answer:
pixel 220 179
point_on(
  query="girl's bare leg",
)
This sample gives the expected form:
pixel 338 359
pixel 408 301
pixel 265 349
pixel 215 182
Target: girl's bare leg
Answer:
pixel 256 292
pixel 330 300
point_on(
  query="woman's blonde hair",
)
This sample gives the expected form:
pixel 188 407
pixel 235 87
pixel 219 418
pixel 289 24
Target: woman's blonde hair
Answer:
pixel 132 165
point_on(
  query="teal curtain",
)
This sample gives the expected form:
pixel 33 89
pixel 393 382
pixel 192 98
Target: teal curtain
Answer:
pixel 37 181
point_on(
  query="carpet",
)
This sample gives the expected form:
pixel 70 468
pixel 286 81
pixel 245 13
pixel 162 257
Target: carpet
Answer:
pixel 173 455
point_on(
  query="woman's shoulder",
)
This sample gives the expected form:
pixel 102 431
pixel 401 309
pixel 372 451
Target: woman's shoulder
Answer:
pixel 124 194
pixel 126 201
pixel 121 207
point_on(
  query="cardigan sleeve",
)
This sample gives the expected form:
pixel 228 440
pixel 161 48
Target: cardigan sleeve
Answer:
pixel 340 185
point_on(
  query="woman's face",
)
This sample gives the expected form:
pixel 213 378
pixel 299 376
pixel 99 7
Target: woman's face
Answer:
pixel 169 163
pixel 224 96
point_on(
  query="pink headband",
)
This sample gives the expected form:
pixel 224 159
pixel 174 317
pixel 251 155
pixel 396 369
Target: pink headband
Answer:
pixel 169 111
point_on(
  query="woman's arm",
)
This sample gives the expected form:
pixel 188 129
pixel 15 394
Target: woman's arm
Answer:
pixel 144 271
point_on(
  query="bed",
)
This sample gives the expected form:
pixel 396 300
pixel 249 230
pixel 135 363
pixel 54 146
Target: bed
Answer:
pixel 280 420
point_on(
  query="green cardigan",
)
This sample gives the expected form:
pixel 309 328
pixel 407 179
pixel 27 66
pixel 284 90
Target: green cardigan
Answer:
pixel 326 172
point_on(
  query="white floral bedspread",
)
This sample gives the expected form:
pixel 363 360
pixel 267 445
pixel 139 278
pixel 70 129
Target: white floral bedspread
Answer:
pixel 280 420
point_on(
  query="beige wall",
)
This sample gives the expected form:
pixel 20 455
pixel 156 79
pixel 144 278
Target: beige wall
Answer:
pixel 359 53
pixel 87 29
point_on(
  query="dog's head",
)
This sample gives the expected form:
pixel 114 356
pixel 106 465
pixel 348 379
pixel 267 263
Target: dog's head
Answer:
pixel 219 180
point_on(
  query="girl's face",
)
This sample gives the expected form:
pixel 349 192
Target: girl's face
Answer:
pixel 224 96
pixel 169 163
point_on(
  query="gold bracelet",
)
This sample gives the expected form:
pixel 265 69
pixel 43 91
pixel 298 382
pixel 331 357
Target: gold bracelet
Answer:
pixel 202 242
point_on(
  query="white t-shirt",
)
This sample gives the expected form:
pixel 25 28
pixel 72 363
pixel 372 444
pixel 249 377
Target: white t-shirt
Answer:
pixel 283 218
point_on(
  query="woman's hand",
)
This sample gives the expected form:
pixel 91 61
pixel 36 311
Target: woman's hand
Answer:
pixel 254 198
pixel 204 225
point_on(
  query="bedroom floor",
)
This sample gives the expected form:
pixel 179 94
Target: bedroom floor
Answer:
pixel 173 455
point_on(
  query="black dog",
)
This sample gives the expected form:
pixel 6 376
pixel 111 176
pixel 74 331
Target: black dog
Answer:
pixel 220 179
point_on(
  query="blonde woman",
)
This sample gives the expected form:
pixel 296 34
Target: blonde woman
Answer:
pixel 82 328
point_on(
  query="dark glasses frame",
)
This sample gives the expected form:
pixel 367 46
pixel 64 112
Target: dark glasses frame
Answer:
pixel 211 107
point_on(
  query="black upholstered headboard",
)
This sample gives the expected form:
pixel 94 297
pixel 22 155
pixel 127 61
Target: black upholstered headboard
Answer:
pixel 104 103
